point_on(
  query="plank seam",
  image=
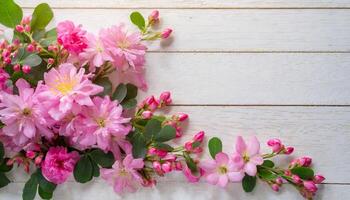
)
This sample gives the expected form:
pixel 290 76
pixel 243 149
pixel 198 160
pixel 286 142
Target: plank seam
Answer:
pixel 200 8
pixel 260 105
pixel 237 51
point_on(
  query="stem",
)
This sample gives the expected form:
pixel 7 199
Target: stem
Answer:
pixel 41 47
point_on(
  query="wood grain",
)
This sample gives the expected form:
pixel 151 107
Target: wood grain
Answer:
pixel 235 30
pixel 223 4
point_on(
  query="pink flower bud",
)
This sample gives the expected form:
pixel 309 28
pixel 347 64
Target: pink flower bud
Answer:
pixel 19 28
pixel 157 167
pixel 3 44
pixel 275 187
pixel 287 173
pixel 166 33
pixel 164 96
pixel 10 162
pixel 188 146
pixel 310 186
pixel 305 161
pixel 26 69
pixel 30 154
pixel 152 151
pixel 279 181
pixel 153 17
pixel 17 67
pixel 7 60
pixel 26 20
pixel 318 179
pixel 27 28
pixel 6 53
pixel 30 48
pixel 289 150
pixel 16 42
pixel 51 61
pixel 178 132
pixel 147 115
pixel 182 117
pixel 296 179
pixel 166 167
pixel 178 166
pixel 38 160
pixel 26 167
pixel 275 144
pixel 199 136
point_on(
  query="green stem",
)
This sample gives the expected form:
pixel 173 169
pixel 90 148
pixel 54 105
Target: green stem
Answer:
pixel 41 47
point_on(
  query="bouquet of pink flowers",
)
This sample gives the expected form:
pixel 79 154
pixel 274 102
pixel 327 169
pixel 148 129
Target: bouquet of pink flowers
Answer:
pixel 61 115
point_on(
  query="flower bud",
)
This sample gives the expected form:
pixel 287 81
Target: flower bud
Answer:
pixel 17 67
pixel 19 28
pixel 7 60
pixel 166 167
pixel 153 17
pixel 318 179
pixel 275 187
pixel 30 154
pixel 26 167
pixel 6 53
pixel 147 114
pixel 157 167
pixel 310 186
pixel 199 136
pixel 30 48
pixel 51 61
pixel 275 144
pixel 305 161
pixel 26 20
pixel 296 179
pixel 164 96
pixel 289 150
pixel 178 166
pixel 279 181
pixel 166 33
pixel 16 42
pixel 182 117
pixel 188 146
pixel 26 69
pixel 27 28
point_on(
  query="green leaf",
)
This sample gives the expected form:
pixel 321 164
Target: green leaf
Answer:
pixel 215 146
pixel 4 167
pixel 164 147
pixel 267 175
pixel 10 13
pixel 139 148
pixel 190 163
pixel 160 118
pixel 120 92
pixel 2 152
pixel 129 104
pixel 44 194
pixel 41 17
pixel 137 19
pixel 21 54
pixel 152 127
pixel 32 60
pixel 303 172
pixel 196 144
pixel 105 160
pixel 44 184
pixel 83 170
pixel 30 188
pixel 96 169
pixel 3 180
pixel 106 84
pixel 166 133
pixel 248 183
pixel 268 163
pixel 50 37
pixel 38 34
pixel 132 91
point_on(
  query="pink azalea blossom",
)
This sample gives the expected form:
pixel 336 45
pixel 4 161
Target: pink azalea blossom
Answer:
pixel 4 76
pixel 22 115
pixel 71 37
pixel 247 155
pixel 59 164
pixel 124 176
pixel 66 89
pixel 124 48
pixel 104 126
pixel 221 170
pixel 130 75
pixel 95 53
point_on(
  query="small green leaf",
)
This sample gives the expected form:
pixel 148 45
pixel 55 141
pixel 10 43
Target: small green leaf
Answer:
pixel 10 13
pixel 139 148
pixel 160 118
pixel 267 175
pixel 105 160
pixel 30 188
pixel 106 84
pixel 2 152
pixel 164 147
pixel 129 104
pixel 152 127
pixel 4 167
pixel 38 34
pixel 83 170
pixel 132 91
pixel 303 172
pixel 3 180
pixel 41 17
pixel 44 194
pixel 50 37
pixel 215 146
pixel 45 185
pixel 166 133
pixel 96 169
pixel 32 60
pixel 248 183
pixel 268 163
pixel 190 163
pixel 137 19
pixel 120 92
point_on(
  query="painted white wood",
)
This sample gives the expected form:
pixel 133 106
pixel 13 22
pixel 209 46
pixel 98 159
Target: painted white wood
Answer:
pixel 175 191
pixel 190 4
pixel 250 78
pixel 319 132
pixel 235 30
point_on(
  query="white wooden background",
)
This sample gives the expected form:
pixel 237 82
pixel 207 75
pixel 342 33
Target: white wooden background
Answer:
pixel 275 68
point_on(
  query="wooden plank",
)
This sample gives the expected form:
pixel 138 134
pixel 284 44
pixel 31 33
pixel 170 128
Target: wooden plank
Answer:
pixel 233 79
pixel 176 190
pixel 235 30
pixel 191 4
pixel 319 132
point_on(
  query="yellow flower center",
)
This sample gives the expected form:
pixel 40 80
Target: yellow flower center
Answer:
pixel 246 157
pixel 101 122
pixel 26 112
pixel 123 172
pixel 65 87
pixel 222 169
pixel 123 44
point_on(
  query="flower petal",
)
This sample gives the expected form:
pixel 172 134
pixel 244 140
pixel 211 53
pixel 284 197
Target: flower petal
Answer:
pixel 240 145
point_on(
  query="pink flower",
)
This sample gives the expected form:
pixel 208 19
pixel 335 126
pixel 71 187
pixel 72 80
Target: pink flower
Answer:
pixel 124 176
pixel 310 186
pixel 124 48
pixel 191 177
pixel 4 77
pixel 66 89
pixel 59 164
pixel 247 155
pixel 221 170
pixel 94 54
pixel 71 37
pixel 132 76
pixel 104 126
pixel 22 115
